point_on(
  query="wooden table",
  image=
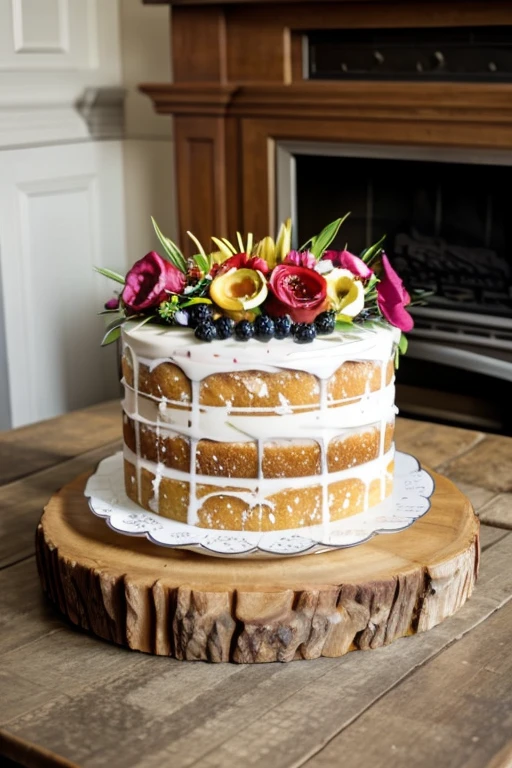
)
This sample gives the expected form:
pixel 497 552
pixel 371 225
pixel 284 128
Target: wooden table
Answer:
pixel 442 698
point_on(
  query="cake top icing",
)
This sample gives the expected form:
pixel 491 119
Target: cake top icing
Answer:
pixel 262 292
pixel 155 344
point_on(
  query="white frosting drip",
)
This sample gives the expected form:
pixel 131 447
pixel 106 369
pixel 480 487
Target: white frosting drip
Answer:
pixel 225 425
pixel 256 491
pixel 154 345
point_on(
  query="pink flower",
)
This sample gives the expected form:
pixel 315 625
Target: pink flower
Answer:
pixel 301 259
pixel 347 260
pixel 392 298
pixel 296 291
pixel 148 281
pixel 242 260
pixel 112 303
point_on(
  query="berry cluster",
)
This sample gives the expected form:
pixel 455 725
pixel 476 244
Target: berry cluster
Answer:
pixel 263 328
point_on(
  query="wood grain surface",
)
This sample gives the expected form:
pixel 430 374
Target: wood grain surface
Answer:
pixel 199 608
pixel 69 699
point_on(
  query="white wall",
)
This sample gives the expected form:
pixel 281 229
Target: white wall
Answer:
pixel 77 187
pixel 148 156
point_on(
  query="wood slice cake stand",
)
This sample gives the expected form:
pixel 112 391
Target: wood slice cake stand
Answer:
pixel 182 604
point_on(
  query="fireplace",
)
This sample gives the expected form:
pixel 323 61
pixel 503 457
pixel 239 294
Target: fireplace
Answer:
pixel 266 95
pixel 448 229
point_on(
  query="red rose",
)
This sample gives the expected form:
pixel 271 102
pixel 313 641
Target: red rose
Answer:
pixel 296 291
pixel 148 281
pixel 392 298
pixel 347 260
pixel 242 260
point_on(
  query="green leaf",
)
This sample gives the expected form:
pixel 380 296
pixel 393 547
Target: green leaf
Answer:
pixel 419 296
pixel 203 262
pixel 190 302
pixel 111 336
pixel 370 254
pixel 173 253
pixel 370 287
pixel 198 290
pixel 401 348
pixel 403 344
pixel 342 326
pixel 113 331
pixel 110 273
pixel 144 321
pixel 109 312
pixel 322 241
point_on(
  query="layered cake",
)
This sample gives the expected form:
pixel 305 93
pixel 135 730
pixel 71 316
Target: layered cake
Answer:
pixel 259 380
pixel 258 436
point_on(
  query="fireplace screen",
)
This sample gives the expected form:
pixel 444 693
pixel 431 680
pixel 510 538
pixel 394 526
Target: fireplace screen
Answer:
pixel 448 225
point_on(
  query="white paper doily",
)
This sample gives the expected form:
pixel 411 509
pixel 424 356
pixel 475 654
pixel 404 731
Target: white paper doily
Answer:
pixel 413 487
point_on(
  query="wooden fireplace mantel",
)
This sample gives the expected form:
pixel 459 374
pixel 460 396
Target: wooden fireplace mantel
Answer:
pixel 239 89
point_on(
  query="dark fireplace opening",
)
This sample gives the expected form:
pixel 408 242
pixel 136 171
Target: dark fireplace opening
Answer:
pixel 448 229
pixel 448 226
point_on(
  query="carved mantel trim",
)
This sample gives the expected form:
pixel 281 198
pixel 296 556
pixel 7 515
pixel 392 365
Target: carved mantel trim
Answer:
pixel 453 102
pixel 190 98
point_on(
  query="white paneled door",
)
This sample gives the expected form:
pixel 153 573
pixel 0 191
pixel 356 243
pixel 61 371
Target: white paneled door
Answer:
pixel 60 215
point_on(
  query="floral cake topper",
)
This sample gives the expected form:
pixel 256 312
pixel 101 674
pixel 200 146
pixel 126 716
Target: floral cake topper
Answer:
pixel 261 289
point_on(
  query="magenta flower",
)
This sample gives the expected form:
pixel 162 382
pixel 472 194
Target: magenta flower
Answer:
pixel 296 291
pixel 392 298
pixel 149 280
pixel 347 260
pixel 112 303
pixel 301 259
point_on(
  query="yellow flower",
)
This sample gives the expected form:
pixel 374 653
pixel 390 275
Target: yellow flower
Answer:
pixel 345 294
pixel 239 289
pixel 275 252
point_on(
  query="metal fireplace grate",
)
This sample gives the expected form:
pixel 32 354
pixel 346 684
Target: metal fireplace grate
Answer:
pixel 460 54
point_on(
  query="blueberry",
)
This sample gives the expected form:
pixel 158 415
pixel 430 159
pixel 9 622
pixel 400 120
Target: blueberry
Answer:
pixel 199 313
pixel 282 326
pixel 304 333
pixel 264 327
pixel 325 322
pixel 206 331
pixel 244 330
pixel 224 326
pixel 365 314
